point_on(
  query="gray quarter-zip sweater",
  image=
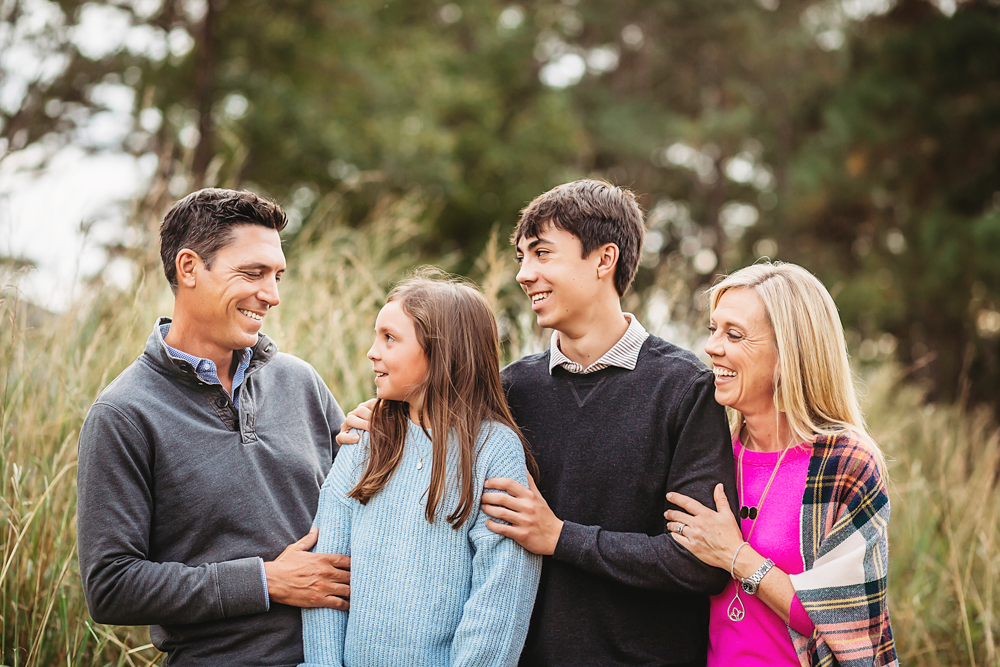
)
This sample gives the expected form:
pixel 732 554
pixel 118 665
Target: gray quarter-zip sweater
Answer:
pixel 180 494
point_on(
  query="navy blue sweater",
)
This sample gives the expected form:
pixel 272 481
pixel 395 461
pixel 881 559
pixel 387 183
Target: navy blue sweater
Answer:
pixel 619 590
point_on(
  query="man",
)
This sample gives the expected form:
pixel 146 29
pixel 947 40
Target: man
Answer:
pixel 204 458
pixel 616 418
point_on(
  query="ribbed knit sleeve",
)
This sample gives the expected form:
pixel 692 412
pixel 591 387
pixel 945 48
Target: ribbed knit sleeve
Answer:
pixel 324 630
pixel 504 575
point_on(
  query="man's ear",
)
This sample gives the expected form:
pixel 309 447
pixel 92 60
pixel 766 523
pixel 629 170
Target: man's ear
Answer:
pixel 608 260
pixel 187 263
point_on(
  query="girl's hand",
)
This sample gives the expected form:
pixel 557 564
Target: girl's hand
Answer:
pixel 711 535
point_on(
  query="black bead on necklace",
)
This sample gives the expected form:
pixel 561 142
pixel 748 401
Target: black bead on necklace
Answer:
pixel 750 512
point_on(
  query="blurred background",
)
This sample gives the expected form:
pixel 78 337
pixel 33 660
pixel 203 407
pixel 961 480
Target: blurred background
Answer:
pixel 859 138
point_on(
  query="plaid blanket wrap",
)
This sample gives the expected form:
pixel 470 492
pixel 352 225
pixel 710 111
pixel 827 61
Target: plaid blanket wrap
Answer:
pixel 844 523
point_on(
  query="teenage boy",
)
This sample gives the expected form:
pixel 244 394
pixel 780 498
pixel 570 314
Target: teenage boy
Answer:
pixel 205 457
pixel 616 418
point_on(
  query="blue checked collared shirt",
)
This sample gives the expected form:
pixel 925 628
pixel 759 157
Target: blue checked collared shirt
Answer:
pixel 207 372
pixel 205 368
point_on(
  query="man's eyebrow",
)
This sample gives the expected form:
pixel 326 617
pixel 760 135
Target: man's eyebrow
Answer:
pixel 258 266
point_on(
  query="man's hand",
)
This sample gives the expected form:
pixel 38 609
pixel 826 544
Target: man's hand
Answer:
pixel 358 418
pixel 303 579
pixel 532 523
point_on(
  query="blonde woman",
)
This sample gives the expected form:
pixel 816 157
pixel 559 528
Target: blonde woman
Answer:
pixel 808 552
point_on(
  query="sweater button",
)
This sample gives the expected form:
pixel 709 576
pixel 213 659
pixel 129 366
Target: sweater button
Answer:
pixel 221 402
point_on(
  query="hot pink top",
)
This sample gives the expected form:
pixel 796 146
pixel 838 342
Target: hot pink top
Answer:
pixel 761 639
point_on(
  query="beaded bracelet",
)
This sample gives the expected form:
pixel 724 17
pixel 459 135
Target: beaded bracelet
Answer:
pixel 732 566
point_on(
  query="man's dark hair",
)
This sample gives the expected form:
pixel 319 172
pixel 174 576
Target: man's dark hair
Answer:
pixel 595 212
pixel 205 221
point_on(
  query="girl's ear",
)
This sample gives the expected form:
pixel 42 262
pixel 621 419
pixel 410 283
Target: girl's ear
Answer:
pixel 608 260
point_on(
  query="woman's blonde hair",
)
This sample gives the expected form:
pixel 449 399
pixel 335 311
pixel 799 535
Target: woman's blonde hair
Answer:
pixel 814 384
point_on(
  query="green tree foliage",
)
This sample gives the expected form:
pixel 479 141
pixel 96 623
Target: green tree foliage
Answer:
pixel 857 137
pixel 895 200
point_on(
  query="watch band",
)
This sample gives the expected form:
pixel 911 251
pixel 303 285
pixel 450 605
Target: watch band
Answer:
pixel 751 583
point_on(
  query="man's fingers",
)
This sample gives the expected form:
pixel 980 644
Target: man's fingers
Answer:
pixel 336 590
pixel 503 484
pixel 307 542
pixel 689 505
pixel 333 602
pixel 338 561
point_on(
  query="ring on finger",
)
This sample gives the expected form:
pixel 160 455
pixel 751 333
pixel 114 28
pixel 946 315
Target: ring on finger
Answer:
pixel 680 529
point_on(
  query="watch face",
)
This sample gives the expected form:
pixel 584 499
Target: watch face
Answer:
pixel 748 587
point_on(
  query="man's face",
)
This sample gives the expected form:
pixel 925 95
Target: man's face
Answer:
pixel 231 300
pixel 561 284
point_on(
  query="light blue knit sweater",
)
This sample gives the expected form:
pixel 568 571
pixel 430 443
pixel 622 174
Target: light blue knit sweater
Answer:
pixel 422 594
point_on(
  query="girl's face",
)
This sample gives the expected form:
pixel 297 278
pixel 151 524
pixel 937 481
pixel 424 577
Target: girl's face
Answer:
pixel 397 358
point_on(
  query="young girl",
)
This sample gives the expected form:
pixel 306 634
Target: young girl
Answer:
pixel 431 585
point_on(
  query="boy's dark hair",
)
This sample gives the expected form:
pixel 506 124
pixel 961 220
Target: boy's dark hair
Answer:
pixel 205 220
pixel 595 212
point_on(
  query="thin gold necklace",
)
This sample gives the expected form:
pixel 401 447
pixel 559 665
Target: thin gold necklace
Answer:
pixel 747 512
pixel 736 611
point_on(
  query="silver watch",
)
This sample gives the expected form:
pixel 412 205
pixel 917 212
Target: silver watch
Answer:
pixel 751 583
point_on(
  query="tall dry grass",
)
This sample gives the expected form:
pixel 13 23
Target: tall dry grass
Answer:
pixel 944 460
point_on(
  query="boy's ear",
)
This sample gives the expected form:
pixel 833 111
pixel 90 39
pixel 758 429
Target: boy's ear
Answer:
pixel 608 260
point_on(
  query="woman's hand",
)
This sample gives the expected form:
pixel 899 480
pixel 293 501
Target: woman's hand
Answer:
pixel 711 535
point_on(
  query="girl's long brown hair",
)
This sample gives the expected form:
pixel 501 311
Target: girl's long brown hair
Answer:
pixel 462 391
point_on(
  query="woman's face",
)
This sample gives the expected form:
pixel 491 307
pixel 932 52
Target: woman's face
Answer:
pixel 743 351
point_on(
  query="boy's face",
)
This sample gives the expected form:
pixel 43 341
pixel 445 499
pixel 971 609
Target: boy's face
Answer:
pixel 562 285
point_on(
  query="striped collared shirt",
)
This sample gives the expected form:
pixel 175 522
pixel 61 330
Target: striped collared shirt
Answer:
pixel 624 353
pixel 205 368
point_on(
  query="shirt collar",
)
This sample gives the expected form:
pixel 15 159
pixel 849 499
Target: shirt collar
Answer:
pixel 204 368
pixel 623 354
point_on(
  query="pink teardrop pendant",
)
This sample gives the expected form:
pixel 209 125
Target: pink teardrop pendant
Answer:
pixel 736 610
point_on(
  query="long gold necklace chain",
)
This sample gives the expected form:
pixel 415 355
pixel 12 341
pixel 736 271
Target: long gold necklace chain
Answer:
pixel 736 611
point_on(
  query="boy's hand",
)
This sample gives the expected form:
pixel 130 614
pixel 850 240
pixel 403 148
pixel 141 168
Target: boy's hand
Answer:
pixel 358 418
pixel 532 523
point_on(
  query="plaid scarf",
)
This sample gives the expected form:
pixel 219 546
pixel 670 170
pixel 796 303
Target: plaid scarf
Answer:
pixel 844 523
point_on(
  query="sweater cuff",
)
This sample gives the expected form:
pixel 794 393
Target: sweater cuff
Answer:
pixel 574 542
pixel 798 619
pixel 241 590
